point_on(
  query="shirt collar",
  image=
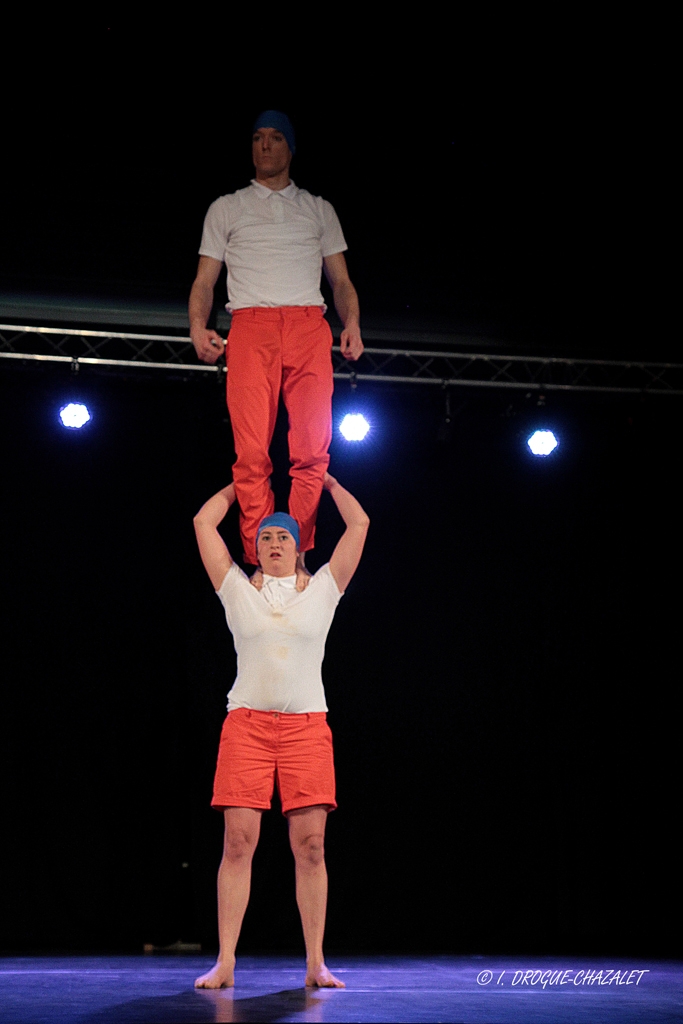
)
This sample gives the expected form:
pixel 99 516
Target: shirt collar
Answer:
pixel 278 590
pixel 264 192
pixel 289 582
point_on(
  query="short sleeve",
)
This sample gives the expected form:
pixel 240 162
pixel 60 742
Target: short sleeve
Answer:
pixel 233 580
pixel 328 582
pixel 216 228
pixel 333 240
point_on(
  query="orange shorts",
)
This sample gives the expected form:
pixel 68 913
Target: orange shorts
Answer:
pixel 258 747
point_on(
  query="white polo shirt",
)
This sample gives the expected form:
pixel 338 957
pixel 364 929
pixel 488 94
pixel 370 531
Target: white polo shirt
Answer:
pixel 279 637
pixel 273 244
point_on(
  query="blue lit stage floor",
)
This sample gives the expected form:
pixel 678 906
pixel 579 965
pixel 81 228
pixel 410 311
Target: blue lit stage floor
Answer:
pixel 159 989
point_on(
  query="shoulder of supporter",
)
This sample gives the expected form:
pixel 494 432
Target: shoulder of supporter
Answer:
pixel 234 579
pixel 324 578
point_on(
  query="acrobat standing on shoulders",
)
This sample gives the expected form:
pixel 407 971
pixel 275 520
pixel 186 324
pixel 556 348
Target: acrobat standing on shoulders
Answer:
pixel 276 727
pixel 275 239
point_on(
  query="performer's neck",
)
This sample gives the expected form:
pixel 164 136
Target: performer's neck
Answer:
pixel 275 183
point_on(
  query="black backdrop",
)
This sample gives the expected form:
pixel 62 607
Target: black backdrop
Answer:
pixel 491 180
pixel 499 674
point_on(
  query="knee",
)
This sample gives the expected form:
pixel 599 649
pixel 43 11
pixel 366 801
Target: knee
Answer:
pixel 309 851
pixel 238 846
pixel 251 454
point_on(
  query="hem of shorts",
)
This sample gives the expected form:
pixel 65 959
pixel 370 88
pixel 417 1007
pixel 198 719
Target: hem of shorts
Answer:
pixel 220 805
pixel 330 804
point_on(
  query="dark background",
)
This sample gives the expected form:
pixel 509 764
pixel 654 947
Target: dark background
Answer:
pixel 513 180
pixel 501 673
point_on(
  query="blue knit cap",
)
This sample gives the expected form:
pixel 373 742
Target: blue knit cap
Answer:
pixel 276 119
pixel 282 520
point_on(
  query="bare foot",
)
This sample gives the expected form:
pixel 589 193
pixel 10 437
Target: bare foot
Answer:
pixel 220 976
pixel 320 977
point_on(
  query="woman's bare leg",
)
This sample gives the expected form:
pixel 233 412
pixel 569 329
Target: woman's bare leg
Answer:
pixel 307 838
pixel 242 828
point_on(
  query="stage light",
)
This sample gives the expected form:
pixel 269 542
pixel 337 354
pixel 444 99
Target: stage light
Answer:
pixel 354 426
pixel 74 415
pixel 542 442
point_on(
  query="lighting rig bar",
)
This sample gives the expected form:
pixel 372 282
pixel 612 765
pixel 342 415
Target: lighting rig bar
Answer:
pixel 387 365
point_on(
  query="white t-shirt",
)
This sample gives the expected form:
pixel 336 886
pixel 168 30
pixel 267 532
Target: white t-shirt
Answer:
pixel 273 244
pixel 279 637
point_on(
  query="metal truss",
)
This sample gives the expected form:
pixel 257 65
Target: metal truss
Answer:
pixel 384 365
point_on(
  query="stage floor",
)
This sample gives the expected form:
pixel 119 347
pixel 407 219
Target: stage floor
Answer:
pixel 159 989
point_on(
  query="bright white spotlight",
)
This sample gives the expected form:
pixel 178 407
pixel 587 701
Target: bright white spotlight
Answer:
pixel 542 442
pixel 74 415
pixel 354 427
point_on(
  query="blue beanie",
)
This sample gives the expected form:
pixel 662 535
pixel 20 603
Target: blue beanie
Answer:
pixel 276 119
pixel 282 520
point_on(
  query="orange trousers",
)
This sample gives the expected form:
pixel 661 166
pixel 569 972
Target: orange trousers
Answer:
pixel 271 350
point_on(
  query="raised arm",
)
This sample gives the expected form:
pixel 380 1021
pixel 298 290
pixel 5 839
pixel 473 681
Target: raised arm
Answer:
pixel 215 555
pixel 208 344
pixel 346 304
pixel 346 555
